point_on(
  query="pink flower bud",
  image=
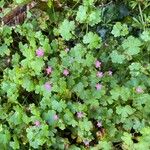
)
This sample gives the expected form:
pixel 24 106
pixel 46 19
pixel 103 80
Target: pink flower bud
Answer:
pixel 48 70
pixel 56 117
pixel 37 123
pixel 40 52
pixel 139 90
pixel 97 64
pixel 98 86
pixel 99 124
pixel 47 86
pixel 80 115
pixel 65 72
pixel 99 74
pixel 86 142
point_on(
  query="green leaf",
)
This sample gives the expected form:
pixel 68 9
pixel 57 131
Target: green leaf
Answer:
pixel 91 17
pixel 120 92
pixel 145 36
pixel 34 110
pixel 4 50
pixel 94 17
pixel 82 14
pixel 115 93
pixel 5 137
pixel 37 136
pixel 131 45
pixel 135 69
pixel 15 144
pixel 58 106
pixel 49 117
pixel 69 118
pixel 89 60
pixel 28 84
pixel 85 125
pixel 127 141
pixel 66 29
pixel 93 40
pixel 116 57
pixel 120 29
pixel 138 125
pixel 16 117
pixel 79 87
pixel 26 51
pixel 88 2
pixel 11 89
pixel 105 145
pixel 15 59
pixel 37 65
pixel 78 52
pixel 124 111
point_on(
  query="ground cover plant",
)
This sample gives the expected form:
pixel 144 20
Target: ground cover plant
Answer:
pixel 75 75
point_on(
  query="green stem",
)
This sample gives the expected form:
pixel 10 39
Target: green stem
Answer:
pixel 87 28
pixel 141 14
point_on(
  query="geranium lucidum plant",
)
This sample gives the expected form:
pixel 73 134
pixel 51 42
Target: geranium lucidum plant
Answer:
pixel 76 76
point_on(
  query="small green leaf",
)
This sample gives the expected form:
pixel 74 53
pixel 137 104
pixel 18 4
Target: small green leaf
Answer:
pixel 14 144
pixel 37 136
pixel 28 84
pixel 37 65
pixel 94 17
pixel 88 2
pixel 131 45
pixel 82 14
pixel 93 40
pixel 105 145
pixel 49 117
pixel 145 36
pixel 120 92
pixel 5 137
pixel 116 57
pixel 66 29
pixel 127 141
pixel 124 111
pixel 135 69
pixel 119 29
pixel 4 50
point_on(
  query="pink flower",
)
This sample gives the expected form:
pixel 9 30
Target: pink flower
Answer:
pixel 139 90
pixel 80 115
pixel 49 70
pixel 47 86
pixel 110 72
pixel 65 72
pixel 67 49
pixel 97 64
pixel 39 52
pixel 86 142
pixel 56 117
pixel 37 123
pixel 99 124
pixel 99 74
pixel 98 86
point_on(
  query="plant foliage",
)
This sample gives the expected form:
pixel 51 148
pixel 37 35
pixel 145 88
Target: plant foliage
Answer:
pixel 76 76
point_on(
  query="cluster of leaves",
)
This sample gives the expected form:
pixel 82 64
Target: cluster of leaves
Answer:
pixel 76 81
